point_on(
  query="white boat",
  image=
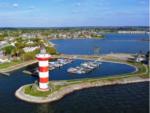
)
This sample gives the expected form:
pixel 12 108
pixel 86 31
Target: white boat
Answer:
pixel 60 62
pixel 84 68
pixel 72 70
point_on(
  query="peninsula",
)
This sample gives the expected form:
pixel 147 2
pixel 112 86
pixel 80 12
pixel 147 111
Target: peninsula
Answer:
pixel 58 89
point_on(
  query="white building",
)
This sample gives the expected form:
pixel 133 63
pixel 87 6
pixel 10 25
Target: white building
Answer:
pixel 30 49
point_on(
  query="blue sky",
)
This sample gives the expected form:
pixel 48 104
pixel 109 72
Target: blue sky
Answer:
pixel 66 13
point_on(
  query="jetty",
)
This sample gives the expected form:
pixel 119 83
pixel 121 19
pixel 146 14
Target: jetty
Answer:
pixel 56 95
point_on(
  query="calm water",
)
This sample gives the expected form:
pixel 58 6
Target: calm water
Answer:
pixel 131 98
pixel 116 43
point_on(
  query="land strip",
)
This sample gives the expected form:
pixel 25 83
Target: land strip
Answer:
pixel 5 71
pixel 71 88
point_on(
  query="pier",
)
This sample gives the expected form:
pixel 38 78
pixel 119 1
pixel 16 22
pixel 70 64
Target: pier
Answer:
pixel 56 95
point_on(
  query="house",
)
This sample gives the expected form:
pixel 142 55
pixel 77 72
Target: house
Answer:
pixel 4 60
pixel 140 58
pixel 30 49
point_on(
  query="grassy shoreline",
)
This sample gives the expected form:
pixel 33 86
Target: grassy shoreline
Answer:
pixel 7 67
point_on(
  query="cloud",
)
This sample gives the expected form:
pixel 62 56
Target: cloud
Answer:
pixel 78 4
pixel 8 5
pixel 15 5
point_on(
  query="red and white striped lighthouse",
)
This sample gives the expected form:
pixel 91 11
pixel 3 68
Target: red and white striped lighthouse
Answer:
pixel 43 58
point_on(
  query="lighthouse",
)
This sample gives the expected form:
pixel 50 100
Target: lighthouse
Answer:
pixel 43 64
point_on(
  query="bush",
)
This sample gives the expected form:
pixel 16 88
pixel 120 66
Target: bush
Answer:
pixel 28 56
pixel 51 50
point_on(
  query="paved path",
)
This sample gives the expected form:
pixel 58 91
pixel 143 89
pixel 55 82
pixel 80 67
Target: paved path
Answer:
pixel 121 56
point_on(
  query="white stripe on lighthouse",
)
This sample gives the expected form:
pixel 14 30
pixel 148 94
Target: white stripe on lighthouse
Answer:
pixel 43 85
pixel 43 74
pixel 43 63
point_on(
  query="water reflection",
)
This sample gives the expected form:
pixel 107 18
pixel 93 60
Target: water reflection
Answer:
pixel 44 108
pixel 129 98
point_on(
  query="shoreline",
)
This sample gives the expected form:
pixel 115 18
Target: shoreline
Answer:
pixel 57 95
pixel 140 40
pixel 6 71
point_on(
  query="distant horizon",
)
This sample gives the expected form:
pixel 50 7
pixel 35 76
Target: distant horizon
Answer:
pixel 79 27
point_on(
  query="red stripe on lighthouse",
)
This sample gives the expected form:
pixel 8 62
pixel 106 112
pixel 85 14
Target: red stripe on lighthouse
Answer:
pixel 43 69
pixel 43 80
pixel 42 59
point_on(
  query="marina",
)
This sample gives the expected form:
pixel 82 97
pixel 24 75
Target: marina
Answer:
pixel 85 67
pixel 61 73
pixel 59 63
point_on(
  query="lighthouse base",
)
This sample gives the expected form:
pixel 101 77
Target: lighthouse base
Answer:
pixel 40 89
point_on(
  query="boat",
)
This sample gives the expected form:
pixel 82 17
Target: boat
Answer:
pixel 60 62
pixel 84 67
pixel 72 70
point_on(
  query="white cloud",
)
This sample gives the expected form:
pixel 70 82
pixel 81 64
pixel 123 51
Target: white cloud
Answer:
pixel 15 5
pixel 78 4
pixel 8 5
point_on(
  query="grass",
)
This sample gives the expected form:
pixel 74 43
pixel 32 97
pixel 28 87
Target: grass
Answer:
pixel 9 64
pixel 32 90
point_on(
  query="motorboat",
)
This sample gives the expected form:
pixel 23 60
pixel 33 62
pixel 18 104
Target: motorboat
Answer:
pixel 84 67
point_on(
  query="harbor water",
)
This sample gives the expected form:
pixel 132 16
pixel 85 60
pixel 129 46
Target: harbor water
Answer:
pixel 129 98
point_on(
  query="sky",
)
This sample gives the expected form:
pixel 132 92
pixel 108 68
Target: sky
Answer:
pixel 72 13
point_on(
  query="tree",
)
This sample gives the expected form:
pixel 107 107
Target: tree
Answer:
pixel 51 50
pixel 8 50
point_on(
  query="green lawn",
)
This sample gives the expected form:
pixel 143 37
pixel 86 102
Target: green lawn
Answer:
pixel 32 90
pixel 9 64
